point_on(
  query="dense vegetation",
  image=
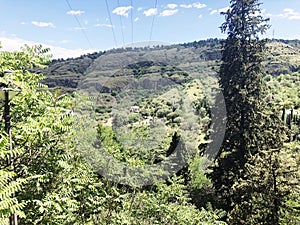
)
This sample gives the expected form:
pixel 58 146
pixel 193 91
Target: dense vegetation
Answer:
pixel 125 136
pixel 50 182
pixel 248 172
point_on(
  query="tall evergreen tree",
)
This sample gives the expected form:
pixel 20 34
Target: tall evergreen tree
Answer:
pixel 252 133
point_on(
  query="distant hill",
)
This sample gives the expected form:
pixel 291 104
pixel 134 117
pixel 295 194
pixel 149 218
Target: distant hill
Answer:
pixel 111 70
pixel 165 87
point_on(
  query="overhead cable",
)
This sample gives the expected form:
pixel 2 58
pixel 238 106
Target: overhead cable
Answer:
pixel 111 24
pixel 80 26
pixel 152 24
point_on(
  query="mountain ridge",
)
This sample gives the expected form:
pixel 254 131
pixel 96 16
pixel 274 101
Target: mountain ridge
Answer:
pixel 198 56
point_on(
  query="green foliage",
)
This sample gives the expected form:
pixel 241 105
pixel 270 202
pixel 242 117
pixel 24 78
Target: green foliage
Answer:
pixel 248 168
pixel 52 182
pixel 49 179
pixel 240 79
pixel 290 209
pixel 9 204
pixel 284 90
pixel 162 204
pixel 11 180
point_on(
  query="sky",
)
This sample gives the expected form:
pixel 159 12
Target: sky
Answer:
pixel 71 28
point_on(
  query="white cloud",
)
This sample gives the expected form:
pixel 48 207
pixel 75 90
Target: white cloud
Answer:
pixel 43 24
pixel 14 44
pixel 23 23
pixel 200 16
pixel 140 8
pixel 172 6
pixel 186 6
pixel 169 12
pixel 289 11
pixel 198 5
pixel 295 17
pixel 225 9
pixel 150 12
pixel 136 19
pixel 122 11
pixel 290 14
pixel 73 12
pixel 103 25
pixel 214 12
pixel 59 52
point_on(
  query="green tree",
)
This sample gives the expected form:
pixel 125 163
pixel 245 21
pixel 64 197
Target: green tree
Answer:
pixel 253 133
pixel 11 183
pixel 51 181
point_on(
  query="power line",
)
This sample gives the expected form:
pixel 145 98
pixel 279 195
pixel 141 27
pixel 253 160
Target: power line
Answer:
pixel 121 22
pixel 111 24
pixel 81 27
pixel 131 14
pixel 151 30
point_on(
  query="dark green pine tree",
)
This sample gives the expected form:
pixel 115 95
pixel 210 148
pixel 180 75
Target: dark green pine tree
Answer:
pixel 251 129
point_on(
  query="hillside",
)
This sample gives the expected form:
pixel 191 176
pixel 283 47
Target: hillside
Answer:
pixel 136 90
pixel 123 66
pixel 126 65
pixel 134 139
pixel 120 79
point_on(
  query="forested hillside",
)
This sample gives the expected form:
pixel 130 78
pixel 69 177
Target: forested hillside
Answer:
pixel 111 71
pixel 282 58
pixel 206 132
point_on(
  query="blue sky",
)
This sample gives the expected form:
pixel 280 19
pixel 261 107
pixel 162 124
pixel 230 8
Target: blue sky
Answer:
pixel 74 27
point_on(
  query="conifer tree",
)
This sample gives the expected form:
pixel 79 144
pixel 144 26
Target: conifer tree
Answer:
pixel 253 134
